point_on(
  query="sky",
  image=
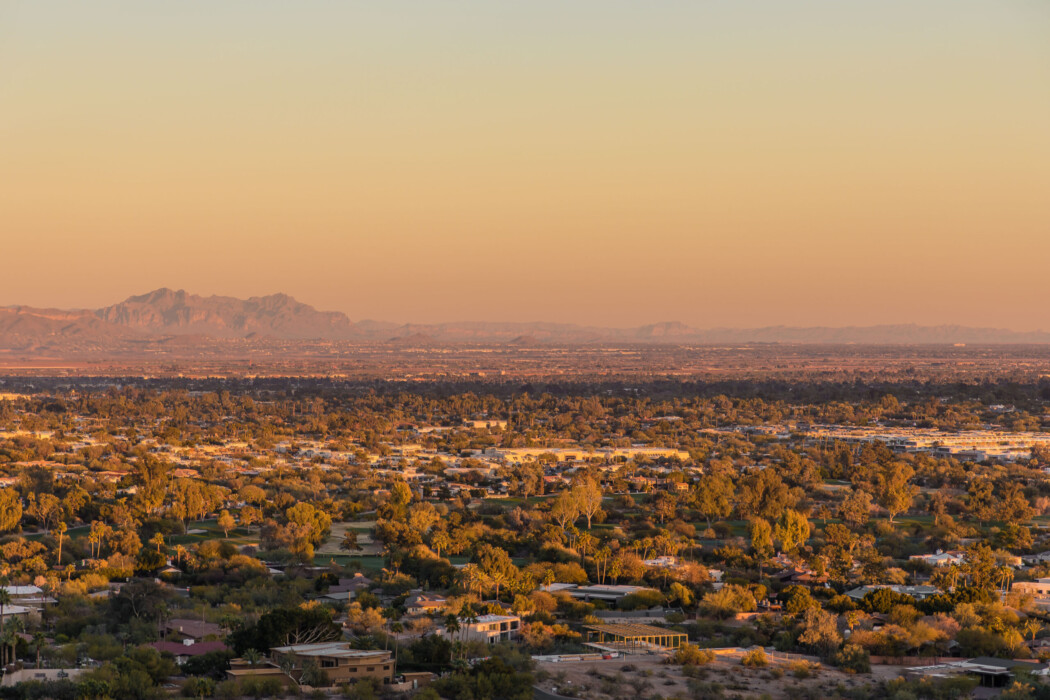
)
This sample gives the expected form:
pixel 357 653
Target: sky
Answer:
pixel 731 163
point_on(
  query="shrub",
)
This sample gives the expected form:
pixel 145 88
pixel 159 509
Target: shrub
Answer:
pixel 853 659
pixel 692 655
pixel 756 658
pixel 803 669
pixel 642 600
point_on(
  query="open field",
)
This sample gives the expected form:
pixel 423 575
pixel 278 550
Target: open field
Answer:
pixel 649 675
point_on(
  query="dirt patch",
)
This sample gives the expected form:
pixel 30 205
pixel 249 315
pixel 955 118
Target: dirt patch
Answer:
pixel 369 548
pixel 638 676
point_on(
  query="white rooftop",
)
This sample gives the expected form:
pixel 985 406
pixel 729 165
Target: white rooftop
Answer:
pixel 340 649
pixel 497 618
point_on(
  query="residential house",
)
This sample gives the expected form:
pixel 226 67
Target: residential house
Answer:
pixel 340 662
pixel 187 649
pixel 196 630
pixel 424 604
pixel 940 558
pixel 1040 588
pixel 491 629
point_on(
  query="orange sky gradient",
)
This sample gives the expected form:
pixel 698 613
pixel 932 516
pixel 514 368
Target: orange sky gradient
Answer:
pixel 604 162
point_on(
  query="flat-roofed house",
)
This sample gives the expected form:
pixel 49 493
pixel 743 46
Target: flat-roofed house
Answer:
pixel 340 662
pixel 604 592
pixel 1040 588
pixel 491 629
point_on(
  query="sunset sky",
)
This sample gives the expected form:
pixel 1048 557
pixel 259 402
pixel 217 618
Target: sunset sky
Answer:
pixel 722 163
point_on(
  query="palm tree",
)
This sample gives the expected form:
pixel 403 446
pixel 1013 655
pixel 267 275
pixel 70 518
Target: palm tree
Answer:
pixel 471 576
pixel 252 656
pixel 396 628
pixel 5 601
pixel 60 531
pixel 451 624
pixel 39 642
pixel 9 639
pixel 1003 574
pixel 497 579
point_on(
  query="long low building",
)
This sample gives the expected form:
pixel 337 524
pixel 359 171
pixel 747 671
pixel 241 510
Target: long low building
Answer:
pixel 604 592
pixel 991 672
pixel 633 637
pixel 340 662
pixel 24 675
pixel 517 455
pixel 1039 587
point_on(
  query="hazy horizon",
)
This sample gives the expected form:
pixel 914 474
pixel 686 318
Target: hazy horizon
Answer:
pixel 737 165
pixel 452 321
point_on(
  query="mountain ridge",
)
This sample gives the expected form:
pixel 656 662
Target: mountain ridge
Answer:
pixel 164 314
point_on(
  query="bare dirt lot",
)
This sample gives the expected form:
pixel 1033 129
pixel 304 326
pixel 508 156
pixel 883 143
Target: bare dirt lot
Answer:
pixel 646 676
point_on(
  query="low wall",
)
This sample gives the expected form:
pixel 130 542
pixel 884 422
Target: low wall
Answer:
pixel 541 694
pixel 557 658
pixel 912 660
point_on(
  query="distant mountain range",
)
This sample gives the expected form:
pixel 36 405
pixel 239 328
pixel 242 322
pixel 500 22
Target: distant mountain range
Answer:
pixel 178 318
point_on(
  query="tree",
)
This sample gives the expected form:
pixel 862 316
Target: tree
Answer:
pixel 10 510
pixel 792 531
pixel 9 640
pixel 981 500
pixel 714 497
pixel 313 675
pixel 564 510
pixel 226 523
pixel 152 481
pixel 820 630
pixel 141 599
pixel 853 658
pixel 680 593
pixel 727 601
pixel 284 626
pixel 892 488
pixel 496 565
pixel 349 542
pixel 471 575
pixel 60 535
pixel 761 542
pixel 45 507
pixel 856 508
pixel 587 495
pixel 528 479
pixel 665 506
pixel 249 515
pixel 39 643
pixel 5 602
pixel 313 523
pixel 763 494
pixel 451 624
pixel 1013 504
